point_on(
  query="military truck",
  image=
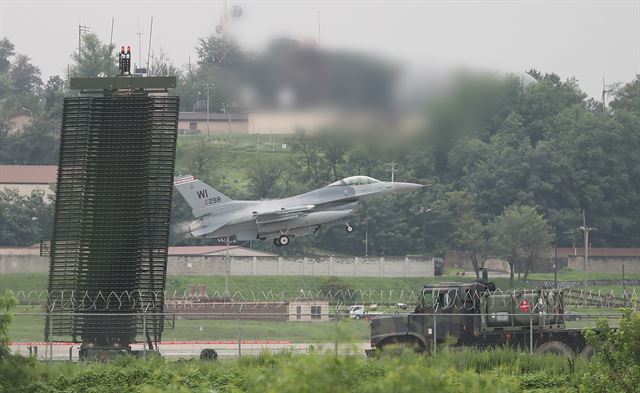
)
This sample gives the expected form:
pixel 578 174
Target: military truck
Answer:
pixel 476 315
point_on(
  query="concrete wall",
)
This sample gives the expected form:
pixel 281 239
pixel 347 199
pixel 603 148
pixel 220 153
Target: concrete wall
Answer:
pixel 607 264
pixel 260 266
pixel 23 264
pixel 291 266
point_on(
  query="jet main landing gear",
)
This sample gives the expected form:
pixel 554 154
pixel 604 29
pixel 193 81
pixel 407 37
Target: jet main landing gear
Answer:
pixel 280 241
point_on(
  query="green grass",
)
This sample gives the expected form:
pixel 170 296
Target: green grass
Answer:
pixel 577 275
pixel 29 327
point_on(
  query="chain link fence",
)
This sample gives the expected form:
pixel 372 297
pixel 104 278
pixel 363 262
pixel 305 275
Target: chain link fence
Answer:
pixel 324 328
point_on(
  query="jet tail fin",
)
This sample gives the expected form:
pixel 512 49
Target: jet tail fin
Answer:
pixel 198 194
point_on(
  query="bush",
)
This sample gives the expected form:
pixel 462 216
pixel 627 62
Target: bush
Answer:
pixel 618 355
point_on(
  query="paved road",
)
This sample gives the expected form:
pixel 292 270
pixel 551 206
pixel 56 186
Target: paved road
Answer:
pixel 226 349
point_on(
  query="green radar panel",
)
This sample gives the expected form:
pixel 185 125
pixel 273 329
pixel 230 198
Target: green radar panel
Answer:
pixel 108 256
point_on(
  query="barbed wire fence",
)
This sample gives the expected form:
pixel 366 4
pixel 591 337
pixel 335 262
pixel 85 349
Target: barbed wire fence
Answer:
pixel 135 301
pixel 249 332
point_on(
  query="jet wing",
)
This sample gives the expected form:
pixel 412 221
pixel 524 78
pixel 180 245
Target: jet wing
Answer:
pixel 283 214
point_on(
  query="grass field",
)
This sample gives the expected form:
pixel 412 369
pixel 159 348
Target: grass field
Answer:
pixel 261 288
pixel 30 327
pixel 27 327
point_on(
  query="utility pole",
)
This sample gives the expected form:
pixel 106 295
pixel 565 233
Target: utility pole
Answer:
pixel 393 169
pixel 208 88
pixel 585 229
pixel 139 34
pixel 604 95
pixel 81 29
pixel 366 232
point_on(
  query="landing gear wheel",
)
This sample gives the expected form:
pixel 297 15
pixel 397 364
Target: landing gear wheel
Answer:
pixel 349 228
pixel 276 241
pixel 283 240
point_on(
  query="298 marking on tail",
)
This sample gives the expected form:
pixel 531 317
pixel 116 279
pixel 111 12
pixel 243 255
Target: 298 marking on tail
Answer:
pixel 212 201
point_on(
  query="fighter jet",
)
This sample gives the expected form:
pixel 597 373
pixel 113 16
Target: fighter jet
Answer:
pixel 218 216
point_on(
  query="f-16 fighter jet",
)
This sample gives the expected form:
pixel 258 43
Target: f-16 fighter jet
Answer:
pixel 279 219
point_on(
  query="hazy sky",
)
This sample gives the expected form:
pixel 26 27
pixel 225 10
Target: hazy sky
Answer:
pixel 585 39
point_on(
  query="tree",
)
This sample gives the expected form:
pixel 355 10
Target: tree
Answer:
pixel 19 217
pixel 520 234
pixel 308 146
pixel 334 148
pixel 264 175
pixel 6 52
pixel 94 58
pixel 54 92
pixel 472 237
pixel 7 304
pixel 627 96
pixel 24 75
pixel 36 144
pixel 215 50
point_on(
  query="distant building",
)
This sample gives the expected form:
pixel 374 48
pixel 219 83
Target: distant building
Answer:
pixel 27 178
pixel 219 123
pixel 267 122
pixel 199 303
pixel 308 310
pixel 604 260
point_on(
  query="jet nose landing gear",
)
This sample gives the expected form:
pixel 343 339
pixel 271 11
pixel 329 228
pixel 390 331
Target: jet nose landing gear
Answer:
pixel 349 228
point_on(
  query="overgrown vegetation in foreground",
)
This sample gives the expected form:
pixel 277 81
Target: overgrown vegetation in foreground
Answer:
pixel 614 368
pixel 463 371
pixel 500 371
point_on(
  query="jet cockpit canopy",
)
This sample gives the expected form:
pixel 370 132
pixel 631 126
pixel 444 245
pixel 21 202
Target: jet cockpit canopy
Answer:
pixel 355 181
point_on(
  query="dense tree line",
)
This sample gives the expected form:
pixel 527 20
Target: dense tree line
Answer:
pixel 493 151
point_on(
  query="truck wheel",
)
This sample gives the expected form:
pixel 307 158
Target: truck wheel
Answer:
pixel 554 347
pixel 209 354
pixel 587 352
pixel 396 345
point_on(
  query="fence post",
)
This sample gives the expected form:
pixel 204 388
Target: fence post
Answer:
pixel 144 335
pixel 435 331
pixel 530 333
pixel 239 336
pixel 50 338
pixel 336 333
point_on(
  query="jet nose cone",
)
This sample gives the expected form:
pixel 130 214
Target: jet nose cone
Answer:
pixel 401 187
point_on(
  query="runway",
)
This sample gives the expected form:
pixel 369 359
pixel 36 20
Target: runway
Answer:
pixel 191 349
